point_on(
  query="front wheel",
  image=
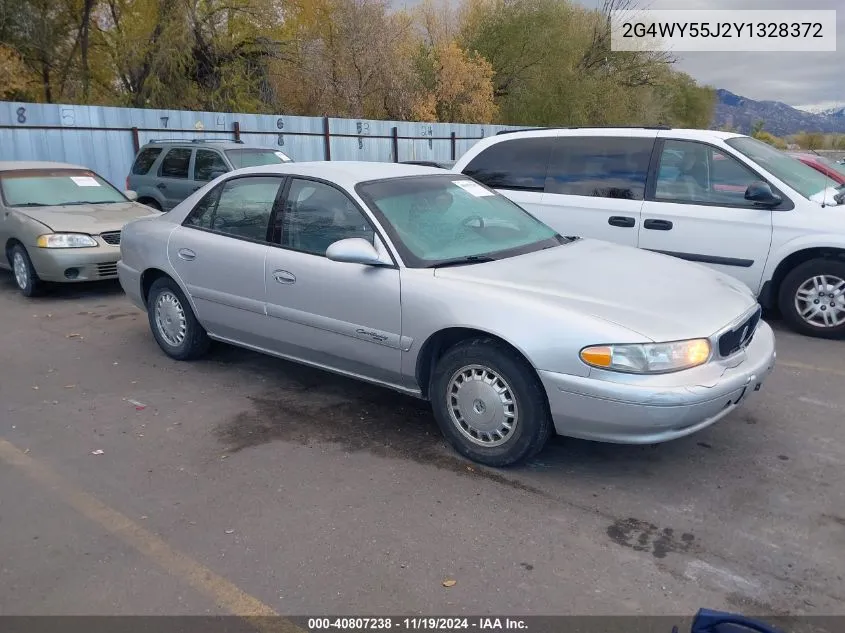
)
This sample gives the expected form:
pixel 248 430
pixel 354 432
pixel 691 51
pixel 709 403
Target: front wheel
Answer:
pixel 812 298
pixel 174 326
pixel 489 403
pixel 25 276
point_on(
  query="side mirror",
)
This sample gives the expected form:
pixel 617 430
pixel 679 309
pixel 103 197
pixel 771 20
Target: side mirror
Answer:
pixel 131 195
pixel 353 250
pixel 761 193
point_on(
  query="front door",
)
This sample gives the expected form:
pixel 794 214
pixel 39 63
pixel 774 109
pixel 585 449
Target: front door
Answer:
pixel 342 316
pixel 219 253
pixel 698 211
pixel 174 176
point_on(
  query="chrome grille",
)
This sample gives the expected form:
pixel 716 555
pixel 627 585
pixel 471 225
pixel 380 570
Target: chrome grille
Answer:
pixel 108 269
pixel 112 237
pixel 739 337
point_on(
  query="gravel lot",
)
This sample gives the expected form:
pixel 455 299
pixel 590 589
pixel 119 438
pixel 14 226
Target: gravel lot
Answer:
pixel 245 483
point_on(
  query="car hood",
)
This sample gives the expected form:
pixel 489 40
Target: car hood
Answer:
pixel 92 219
pixel 657 296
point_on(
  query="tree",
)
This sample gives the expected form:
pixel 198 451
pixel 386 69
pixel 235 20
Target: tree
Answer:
pixel 15 80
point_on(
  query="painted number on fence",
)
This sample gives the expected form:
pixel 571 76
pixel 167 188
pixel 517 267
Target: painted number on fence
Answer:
pixel 364 129
pixel 427 131
pixel 68 116
pixel 21 112
pixel 280 139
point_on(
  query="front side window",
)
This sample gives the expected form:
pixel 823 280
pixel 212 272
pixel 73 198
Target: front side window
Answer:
pixel 208 165
pixel 175 163
pixel 316 215
pixel 240 207
pixel 519 164
pixel 56 187
pixel 604 167
pixel 800 177
pixel 691 172
pixel 255 157
pixel 146 158
pixel 437 219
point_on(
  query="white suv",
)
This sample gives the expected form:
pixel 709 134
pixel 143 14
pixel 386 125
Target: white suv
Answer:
pixel 722 199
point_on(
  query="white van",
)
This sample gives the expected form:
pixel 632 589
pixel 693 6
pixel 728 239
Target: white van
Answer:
pixel 723 199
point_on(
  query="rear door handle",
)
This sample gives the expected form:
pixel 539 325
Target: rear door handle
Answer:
pixel 161 185
pixel 621 220
pixel 187 254
pixel 658 225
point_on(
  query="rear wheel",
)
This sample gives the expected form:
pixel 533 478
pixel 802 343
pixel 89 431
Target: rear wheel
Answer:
pixel 489 403
pixel 174 326
pixel 25 276
pixel 812 298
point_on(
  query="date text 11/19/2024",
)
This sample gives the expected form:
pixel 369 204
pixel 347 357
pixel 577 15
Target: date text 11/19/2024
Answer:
pixel 416 624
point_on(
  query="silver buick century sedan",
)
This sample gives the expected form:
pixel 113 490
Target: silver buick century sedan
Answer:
pixel 430 283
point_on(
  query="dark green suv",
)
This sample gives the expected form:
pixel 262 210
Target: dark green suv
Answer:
pixel 166 172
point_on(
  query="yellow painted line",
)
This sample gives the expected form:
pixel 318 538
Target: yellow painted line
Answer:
pixel 221 591
pixel 826 370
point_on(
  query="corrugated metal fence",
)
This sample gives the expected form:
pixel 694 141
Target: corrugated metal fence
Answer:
pixel 105 139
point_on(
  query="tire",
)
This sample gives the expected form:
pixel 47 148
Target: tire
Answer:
pixel 167 306
pixel 819 285
pixel 26 279
pixel 152 204
pixel 464 367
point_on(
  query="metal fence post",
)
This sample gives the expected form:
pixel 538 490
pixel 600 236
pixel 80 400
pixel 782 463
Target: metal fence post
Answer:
pixel 454 146
pixel 395 141
pixel 236 128
pixel 136 142
pixel 327 140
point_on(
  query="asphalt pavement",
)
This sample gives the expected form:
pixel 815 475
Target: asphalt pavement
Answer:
pixel 134 484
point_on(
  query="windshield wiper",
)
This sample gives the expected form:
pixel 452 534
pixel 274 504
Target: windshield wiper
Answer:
pixel 30 204
pixel 460 261
pixel 79 202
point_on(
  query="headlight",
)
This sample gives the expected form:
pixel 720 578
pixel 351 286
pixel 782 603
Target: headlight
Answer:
pixel 648 358
pixel 66 240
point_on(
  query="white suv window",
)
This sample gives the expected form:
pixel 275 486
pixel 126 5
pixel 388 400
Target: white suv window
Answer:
pixel 695 173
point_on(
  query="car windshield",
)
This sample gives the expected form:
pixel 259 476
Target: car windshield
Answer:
pixel 56 187
pixel 255 157
pixel 802 178
pixel 437 220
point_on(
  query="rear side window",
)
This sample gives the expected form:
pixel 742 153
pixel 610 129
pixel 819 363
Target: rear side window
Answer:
pixel 145 160
pixel 603 167
pixel 519 164
pixel 208 164
pixel 175 163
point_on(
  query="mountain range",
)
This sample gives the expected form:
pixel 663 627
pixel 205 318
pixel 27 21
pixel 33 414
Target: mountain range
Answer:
pixel 780 119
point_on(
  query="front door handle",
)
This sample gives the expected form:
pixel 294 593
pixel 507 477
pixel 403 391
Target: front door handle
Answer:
pixel 187 254
pixel 621 220
pixel 284 277
pixel 161 186
pixel 658 225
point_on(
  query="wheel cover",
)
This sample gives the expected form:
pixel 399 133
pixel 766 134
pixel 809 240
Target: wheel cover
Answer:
pixel 482 405
pixel 170 318
pixel 820 301
pixel 21 270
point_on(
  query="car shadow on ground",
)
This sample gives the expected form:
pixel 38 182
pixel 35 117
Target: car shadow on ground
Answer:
pixel 63 292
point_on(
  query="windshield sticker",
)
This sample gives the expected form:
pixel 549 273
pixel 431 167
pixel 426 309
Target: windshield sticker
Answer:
pixel 84 181
pixel 282 156
pixel 473 188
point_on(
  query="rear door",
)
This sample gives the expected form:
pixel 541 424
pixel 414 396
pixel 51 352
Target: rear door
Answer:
pixel 174 176
pixel 595 186
pixel 219 253
pixel 696 209
pixel 208 164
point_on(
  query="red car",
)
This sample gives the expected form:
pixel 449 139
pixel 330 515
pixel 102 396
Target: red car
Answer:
pixel 829 168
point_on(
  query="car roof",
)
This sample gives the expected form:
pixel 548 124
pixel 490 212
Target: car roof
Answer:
pixel 12 165
pixel 203 143
pixel 613 131
pixel 345 173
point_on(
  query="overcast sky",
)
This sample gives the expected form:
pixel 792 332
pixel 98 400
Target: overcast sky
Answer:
pixel 794 78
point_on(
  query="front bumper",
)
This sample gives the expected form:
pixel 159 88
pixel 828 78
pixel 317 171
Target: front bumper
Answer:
pixel 90 264
pixel 650 409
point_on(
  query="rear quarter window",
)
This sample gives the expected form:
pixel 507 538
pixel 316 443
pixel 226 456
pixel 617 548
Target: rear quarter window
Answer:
pixel 519 164
pixel 145 159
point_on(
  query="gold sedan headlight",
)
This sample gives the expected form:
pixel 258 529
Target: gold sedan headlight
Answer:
pixel 649 358
pixel 66 240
